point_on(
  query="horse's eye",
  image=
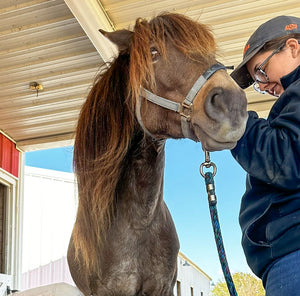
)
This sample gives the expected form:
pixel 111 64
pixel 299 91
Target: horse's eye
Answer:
pixel 154 54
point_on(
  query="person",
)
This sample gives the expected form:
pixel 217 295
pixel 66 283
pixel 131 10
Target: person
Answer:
pixel 269 152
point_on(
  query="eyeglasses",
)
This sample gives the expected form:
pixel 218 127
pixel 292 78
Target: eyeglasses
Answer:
pixel 260 75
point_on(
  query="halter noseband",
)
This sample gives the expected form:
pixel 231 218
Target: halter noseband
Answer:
pixel 186 107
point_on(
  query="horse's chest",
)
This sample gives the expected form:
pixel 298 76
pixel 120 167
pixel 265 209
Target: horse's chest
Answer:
pixel 124 277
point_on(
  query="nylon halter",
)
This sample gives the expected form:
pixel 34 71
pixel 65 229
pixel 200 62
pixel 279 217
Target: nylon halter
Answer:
pixel 186 107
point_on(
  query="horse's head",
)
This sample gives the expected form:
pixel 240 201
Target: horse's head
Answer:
pixel 168 57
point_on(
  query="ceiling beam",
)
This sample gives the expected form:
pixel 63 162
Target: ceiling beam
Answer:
pixel 91 16
pixel 46 142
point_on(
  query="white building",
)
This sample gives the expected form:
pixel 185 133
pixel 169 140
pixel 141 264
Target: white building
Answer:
pixel 191 280
pixel 49 213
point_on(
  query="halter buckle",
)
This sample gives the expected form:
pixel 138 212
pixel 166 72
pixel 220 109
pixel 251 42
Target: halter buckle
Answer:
pixel 189 108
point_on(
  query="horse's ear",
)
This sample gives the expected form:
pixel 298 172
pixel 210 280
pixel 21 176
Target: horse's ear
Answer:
pixel 121 38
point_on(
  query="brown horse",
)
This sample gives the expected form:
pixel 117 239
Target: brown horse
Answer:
pixel 124 241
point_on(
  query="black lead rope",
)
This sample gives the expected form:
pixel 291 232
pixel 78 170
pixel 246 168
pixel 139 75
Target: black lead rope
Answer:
pixel 212 201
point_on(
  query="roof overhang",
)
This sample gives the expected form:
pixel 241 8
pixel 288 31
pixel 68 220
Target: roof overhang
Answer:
pixel 56 43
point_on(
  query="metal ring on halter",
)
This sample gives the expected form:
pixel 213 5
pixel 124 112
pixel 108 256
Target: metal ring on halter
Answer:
pixel 208 165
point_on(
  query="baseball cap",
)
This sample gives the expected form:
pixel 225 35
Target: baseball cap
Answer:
pixel 274 28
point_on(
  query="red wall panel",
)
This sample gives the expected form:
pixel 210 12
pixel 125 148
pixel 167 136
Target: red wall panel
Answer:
pixel 9 156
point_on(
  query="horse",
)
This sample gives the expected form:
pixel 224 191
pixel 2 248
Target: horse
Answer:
pixel 164 83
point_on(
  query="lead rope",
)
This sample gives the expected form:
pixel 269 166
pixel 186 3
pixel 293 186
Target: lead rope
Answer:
pixel 212 201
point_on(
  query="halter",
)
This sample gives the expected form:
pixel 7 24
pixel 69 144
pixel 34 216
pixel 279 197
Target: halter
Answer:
pixel 186 107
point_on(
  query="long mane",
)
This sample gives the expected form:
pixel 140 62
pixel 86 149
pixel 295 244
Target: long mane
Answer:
pixel 107 121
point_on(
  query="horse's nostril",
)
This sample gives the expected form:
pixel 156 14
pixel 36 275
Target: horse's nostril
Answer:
pixel 215 104
pixel 217 100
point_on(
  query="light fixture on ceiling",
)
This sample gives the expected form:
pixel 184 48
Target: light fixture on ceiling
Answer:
pixel 34 86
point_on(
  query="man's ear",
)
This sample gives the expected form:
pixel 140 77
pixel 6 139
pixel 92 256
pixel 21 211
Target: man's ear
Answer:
pixel 122 38
pixel 294 46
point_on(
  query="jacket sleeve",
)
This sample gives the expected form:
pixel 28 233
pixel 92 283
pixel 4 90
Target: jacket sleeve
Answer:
pixel 270 149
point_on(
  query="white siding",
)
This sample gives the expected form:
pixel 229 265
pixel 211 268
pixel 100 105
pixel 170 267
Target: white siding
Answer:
pixel 49 212
pixel 191 276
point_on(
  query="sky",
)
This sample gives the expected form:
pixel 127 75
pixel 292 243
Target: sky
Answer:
pixel 186 198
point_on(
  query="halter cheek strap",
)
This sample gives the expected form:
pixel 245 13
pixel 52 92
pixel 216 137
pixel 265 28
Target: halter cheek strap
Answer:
pixel 185 108
pixel 139 117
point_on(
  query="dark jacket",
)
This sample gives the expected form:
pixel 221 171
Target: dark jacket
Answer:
pixel 269 151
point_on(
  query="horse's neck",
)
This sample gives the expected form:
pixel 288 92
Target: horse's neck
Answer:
pixel 140 190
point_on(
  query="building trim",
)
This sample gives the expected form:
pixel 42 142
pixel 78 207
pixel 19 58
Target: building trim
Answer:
pixel 182 256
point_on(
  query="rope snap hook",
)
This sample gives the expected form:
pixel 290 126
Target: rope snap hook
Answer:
pixel 207 164
pixel 209 178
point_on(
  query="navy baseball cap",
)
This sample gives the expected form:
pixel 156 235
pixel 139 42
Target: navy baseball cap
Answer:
pixel 274 28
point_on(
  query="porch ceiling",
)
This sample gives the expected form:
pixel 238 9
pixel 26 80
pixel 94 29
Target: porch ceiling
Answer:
pixel 42 41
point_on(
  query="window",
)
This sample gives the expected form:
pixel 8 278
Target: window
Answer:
pixel 192 291
pixel 3 224
pixel 11 220
pixel 178 288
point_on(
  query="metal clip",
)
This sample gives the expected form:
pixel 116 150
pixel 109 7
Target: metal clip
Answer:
pixel 211 196
pixel 207 163
pixel 189 108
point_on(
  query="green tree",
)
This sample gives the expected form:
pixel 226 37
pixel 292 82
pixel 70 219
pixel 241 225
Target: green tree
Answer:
pixel 245 284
